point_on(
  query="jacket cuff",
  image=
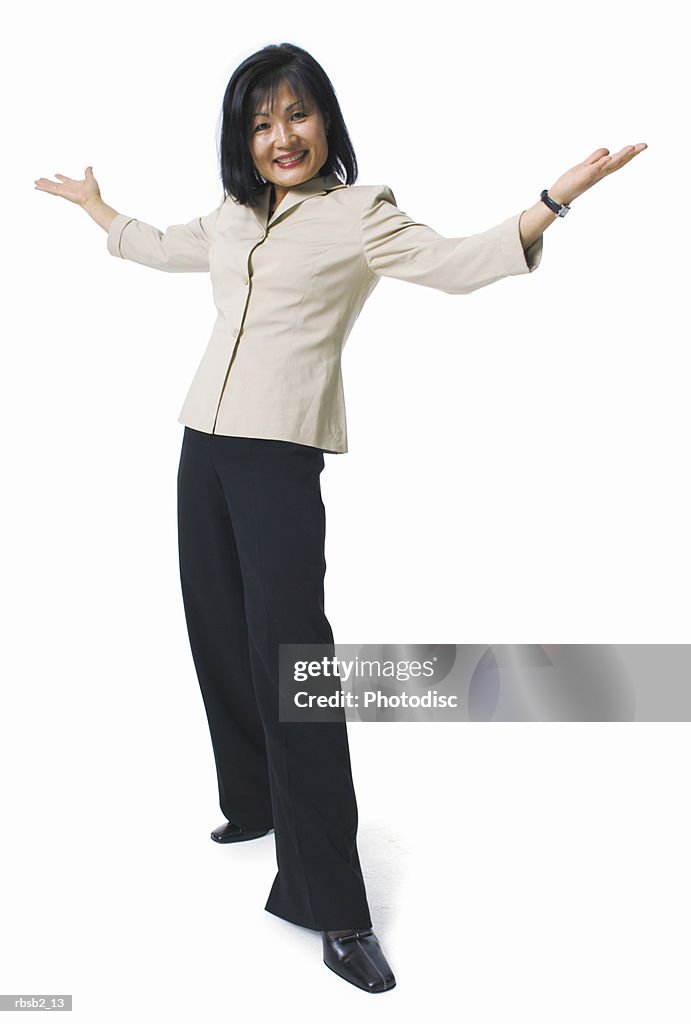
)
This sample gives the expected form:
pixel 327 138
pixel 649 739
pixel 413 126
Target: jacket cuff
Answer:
pixel 518 259
pixel 118 224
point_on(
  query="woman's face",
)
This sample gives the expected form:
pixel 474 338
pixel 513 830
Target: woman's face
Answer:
pixel 290 130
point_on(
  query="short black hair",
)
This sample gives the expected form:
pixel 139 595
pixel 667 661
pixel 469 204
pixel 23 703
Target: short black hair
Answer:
pixel 258 76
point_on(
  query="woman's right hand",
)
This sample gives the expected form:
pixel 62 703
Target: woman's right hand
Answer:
pixel 80 192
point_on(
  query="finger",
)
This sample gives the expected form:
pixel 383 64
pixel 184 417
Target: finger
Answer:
pixel 63 178
pixel 596 155
pixel 619 160
pixel 624 155
pixel 629 156
pixel 602 166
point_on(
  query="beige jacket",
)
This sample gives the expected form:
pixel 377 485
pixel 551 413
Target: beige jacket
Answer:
pixel 289 289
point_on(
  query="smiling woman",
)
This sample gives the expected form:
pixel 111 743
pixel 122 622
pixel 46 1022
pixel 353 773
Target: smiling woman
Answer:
pixel 291 146
pixel 279 101
pixel 294 249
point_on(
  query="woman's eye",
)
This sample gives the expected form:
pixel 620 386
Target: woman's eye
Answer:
pixel 298 113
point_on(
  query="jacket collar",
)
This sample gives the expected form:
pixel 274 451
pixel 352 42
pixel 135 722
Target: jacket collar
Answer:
pixel 316 186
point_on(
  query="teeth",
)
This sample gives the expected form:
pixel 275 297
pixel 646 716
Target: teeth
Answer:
pixel 290 159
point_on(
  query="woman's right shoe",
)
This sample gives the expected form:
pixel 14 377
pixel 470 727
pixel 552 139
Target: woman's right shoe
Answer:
pixel 358 958
pixel 230 833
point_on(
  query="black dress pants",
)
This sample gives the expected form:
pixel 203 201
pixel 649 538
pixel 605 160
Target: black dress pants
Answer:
pixel 251 528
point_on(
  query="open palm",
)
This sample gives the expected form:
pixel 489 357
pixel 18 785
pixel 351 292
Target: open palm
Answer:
pixel 600 163
pixel 76 191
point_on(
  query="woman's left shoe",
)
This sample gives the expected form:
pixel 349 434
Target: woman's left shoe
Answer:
pixel 230 833
pixel 358 958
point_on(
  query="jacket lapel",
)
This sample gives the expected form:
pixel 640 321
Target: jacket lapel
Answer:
pixel 297 194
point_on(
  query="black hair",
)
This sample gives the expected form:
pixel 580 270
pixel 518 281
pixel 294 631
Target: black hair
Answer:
pixel 259 76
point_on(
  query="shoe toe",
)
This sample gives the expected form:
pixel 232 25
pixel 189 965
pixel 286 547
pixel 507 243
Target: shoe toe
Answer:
pixel 226 832
pixel 231 833
pixel 359 959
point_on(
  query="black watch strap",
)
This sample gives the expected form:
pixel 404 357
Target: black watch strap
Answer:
pixel 561 209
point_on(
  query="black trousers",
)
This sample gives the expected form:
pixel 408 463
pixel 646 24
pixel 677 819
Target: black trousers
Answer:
pixel 251 528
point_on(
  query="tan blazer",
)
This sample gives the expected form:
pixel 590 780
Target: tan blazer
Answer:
pixel 289 288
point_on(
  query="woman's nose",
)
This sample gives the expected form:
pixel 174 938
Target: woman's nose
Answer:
pixel 285 134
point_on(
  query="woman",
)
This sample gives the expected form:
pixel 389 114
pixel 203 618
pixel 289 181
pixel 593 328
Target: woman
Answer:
pixel 294 250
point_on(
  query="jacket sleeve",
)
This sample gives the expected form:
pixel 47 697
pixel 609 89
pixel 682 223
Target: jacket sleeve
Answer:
pixel 181 247
pixel 395 245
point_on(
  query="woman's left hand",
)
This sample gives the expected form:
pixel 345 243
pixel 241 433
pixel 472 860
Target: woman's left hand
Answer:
pixel 583 176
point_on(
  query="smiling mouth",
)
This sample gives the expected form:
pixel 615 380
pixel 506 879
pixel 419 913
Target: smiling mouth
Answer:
pixel 293 158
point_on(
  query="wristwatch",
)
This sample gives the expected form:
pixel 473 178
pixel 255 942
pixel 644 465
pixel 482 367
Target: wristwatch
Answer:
pixel 561 209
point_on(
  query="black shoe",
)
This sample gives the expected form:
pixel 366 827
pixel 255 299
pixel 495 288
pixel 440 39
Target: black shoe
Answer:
pixel 230 833
pixel 358 958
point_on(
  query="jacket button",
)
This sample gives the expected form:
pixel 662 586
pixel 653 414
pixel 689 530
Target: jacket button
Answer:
pixel 236 332
pixel 246 280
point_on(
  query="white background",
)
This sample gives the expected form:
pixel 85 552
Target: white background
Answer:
pixel 517 472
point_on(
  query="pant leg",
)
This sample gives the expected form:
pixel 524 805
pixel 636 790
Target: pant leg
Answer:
pixel 213 597
pixel 272 491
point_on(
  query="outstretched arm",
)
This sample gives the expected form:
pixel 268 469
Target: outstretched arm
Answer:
pixel 396 245
pixel 181 247
pixel 571 184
